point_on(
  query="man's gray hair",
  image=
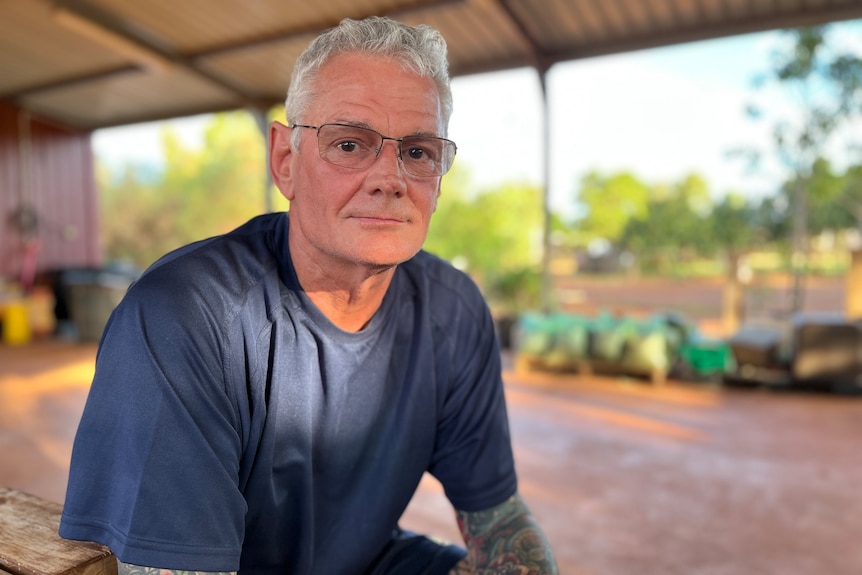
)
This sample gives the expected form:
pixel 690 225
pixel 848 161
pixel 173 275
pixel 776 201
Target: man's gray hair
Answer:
pixel 420 49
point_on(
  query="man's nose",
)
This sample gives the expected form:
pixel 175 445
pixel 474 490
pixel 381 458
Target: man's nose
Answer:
pixel 389 155
pixel 388 169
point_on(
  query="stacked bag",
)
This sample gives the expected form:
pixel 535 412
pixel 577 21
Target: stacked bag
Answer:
pixel 560 341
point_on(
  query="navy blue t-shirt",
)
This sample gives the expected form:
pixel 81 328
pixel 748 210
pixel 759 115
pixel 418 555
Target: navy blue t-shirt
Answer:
pixel 230 425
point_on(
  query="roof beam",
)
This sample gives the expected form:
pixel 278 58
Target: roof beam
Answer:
pixel 742 25
pixel 669 37
pixel 112 40
pixel 69 82
pixel 312 29
pixel 104 28
pixel 539 59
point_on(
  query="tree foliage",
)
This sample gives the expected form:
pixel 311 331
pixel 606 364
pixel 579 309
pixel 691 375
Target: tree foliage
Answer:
pixel 494 235
pixel 732 226
pixel 662 224
pixel 645 218
pixel 829 207
pixel 196 193
pixel 825 81
pixel 611 201
pixel 673 220
pixel 681 221
pixel 821 81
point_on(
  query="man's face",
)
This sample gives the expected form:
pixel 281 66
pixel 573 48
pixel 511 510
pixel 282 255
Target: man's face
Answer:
pixel 377 216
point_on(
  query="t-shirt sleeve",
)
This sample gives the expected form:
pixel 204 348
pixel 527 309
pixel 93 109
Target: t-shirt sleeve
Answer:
pixel 155 462
pixel 473 455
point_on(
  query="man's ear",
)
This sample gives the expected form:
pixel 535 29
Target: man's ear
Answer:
pixel 280 155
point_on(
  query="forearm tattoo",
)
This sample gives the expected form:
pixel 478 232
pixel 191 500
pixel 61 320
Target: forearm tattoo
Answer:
pixel 505 540
pixel 128 569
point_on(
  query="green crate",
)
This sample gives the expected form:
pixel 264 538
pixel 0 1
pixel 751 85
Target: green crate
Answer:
pixel 707 357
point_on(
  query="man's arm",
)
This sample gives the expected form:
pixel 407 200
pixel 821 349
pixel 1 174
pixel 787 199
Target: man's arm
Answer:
pixel 129 569
pixel 504 540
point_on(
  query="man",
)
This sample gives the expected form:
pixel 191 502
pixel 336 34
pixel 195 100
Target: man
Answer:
pixel 267 401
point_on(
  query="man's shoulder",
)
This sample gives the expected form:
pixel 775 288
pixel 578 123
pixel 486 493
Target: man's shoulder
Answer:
pixel 443 285
pixel 440 273
pixel 245 247
pixel 220 267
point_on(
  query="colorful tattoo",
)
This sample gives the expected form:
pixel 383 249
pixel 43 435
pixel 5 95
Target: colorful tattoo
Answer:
pixel 464 567
pixel 505 540
pixel 128 569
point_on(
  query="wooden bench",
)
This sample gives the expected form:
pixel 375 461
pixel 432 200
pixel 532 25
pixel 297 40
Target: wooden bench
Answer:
pixel 30 545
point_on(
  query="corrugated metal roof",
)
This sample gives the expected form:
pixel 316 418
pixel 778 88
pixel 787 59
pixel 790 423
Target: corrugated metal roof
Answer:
pixel 209 55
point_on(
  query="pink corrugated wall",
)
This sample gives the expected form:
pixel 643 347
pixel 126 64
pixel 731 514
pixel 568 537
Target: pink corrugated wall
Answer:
pixel 49 169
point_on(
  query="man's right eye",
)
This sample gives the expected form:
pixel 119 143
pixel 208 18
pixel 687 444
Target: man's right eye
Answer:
pixel 347 146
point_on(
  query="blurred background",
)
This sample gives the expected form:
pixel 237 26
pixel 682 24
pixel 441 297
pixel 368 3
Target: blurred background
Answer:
pixel 661 201
pixel 686 140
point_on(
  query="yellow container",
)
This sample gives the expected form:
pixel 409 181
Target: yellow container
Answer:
pixel 16 324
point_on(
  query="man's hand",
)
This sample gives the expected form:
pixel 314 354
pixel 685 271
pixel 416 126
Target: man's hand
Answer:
pixel 504 540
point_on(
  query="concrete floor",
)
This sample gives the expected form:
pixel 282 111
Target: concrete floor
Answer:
pixel 626 478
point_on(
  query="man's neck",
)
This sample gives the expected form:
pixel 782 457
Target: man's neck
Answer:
pixel 351 308
pixel 348 295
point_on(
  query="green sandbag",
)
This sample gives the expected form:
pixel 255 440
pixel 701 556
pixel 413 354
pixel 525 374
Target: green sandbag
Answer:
pixel 535 334
pixel 571 337
pixel 647 352
pixel 608 337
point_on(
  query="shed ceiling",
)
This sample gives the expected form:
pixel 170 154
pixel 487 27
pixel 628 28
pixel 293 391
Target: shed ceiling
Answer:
pixel 97 63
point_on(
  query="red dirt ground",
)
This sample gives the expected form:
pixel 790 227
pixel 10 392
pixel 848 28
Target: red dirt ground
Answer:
pixel 626 478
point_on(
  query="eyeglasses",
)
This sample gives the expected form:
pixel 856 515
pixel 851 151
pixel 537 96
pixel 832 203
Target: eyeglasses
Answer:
pixel 354 147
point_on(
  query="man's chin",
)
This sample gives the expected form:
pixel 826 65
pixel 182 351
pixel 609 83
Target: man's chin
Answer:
pixel 384 262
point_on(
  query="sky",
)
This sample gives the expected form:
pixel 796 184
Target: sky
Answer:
pixel 660 113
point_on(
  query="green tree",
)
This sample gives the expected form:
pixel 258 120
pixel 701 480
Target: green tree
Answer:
pixel 219 186
pixel 610 203
pixel 495 236
pixel 823 85
pixel 733 229
pixel 852 193
pixel 829 207
pixel 671 227
pixel 770 217
pixel 135 218
pixel 198 193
